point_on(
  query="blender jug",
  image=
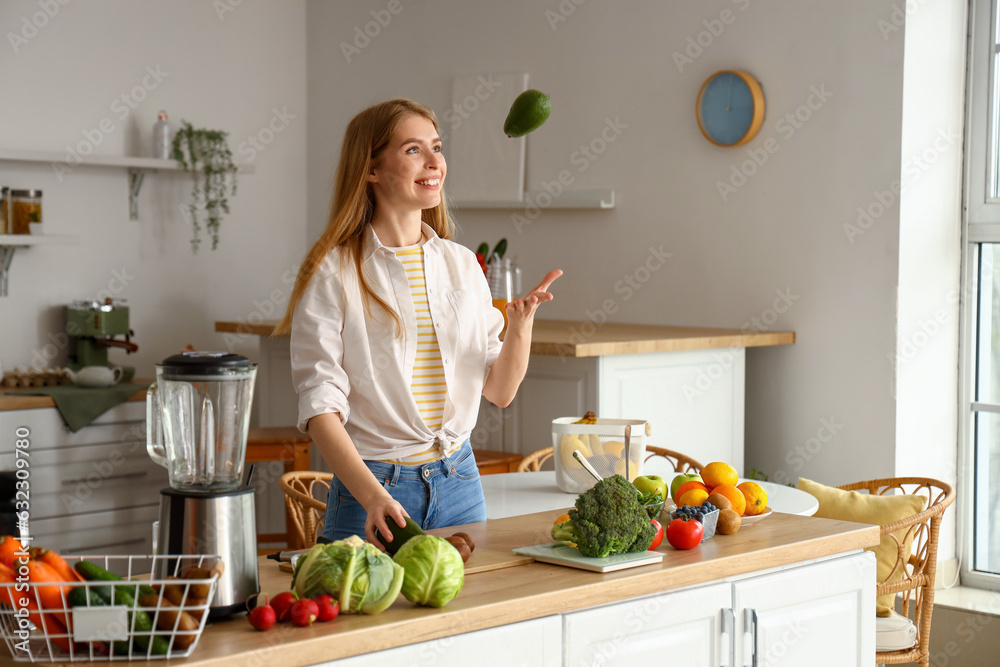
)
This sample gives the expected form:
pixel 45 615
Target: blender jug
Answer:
pixel 198 416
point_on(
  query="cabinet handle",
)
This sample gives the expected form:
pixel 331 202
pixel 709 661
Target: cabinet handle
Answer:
pixel 749 637
pixel 92 548
pixel 728 647
pixel 126 475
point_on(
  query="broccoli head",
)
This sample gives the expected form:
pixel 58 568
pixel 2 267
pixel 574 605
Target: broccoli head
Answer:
pixel 608 520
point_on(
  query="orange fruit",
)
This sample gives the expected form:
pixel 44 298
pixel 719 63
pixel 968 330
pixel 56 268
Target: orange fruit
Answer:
pixel 719 473
pixel 694 497
pixel 687 486
pixel 756 498
pixel 734 496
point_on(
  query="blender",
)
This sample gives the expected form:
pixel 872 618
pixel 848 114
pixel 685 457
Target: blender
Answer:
pixel 198 416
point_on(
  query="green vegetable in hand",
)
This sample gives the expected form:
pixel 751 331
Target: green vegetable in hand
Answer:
pixel 608 520
pixel 361 577
pixel 434 572
pixel 399 534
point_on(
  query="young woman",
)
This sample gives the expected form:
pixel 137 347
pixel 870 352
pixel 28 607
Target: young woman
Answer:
pixel 394 336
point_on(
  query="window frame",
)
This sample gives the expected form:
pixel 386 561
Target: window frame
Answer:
pixel 981 225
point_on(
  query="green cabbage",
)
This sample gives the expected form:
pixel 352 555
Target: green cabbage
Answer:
pixel 355 572
pixel 433 571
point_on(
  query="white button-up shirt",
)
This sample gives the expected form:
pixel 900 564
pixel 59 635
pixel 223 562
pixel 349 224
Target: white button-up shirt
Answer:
pixel 345 362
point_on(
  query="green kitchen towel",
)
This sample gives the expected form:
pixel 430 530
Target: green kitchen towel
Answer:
pixel 79 406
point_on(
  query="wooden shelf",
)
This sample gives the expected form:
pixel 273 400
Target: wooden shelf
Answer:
pixel 137 167
pixel 24 240
pixel 111 161
pixel 592 199
pixel 11 242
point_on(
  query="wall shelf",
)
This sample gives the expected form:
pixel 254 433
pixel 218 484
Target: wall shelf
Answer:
pixel 11 242
pixel 592 199
pixel 137 168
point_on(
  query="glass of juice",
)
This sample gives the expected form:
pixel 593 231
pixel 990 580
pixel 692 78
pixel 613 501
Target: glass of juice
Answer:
pixel 501 276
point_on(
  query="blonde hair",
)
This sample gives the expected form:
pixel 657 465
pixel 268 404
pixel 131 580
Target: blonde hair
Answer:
pixel 353 205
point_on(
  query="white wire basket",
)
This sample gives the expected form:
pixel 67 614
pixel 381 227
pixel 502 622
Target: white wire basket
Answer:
pixel 602 445
pixel 41 624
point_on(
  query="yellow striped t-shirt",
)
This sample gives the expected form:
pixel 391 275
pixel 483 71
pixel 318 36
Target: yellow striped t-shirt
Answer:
pixel 427 383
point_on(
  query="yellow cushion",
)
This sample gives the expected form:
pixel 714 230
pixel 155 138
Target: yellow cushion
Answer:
pixel 859 507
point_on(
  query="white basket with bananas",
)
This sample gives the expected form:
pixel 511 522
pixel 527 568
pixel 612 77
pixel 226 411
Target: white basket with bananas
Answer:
pixel 602 443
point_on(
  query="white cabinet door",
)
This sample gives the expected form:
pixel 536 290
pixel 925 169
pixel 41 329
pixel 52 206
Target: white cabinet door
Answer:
pixel 821 615
pixel 683 628
pixel 536 643
pixel 693 400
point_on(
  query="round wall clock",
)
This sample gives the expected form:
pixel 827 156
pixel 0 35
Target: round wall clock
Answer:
pixel 730 108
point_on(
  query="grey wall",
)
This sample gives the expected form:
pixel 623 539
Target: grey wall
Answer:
pixel 782 232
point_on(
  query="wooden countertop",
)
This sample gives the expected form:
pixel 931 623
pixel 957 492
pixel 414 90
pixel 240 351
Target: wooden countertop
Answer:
pixel 523 592
pixel 11 399
pixel 585 339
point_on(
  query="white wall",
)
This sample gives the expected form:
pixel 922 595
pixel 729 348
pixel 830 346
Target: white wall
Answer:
pixel 930 209
pixel 219 69
pixel 782 231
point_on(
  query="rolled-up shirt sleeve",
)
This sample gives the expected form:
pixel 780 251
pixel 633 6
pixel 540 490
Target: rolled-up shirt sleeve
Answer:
pixel 317 349
pixel 494 325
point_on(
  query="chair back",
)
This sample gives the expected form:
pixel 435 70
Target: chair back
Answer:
pixel 533 462
pixel 680 462
pixel 919 569
pixel 305 510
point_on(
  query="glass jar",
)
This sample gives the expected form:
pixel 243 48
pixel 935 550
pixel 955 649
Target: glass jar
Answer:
pixel 25 211
pixel 4 192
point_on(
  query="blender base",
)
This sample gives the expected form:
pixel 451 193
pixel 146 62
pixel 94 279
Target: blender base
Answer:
pixel 220 523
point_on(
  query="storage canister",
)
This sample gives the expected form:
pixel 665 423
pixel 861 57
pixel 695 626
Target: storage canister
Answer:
pixel 26 211
pixel 4 193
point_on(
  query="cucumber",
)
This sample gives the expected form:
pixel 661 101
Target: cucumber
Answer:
pixel 399 535
pixel 142 623
pixel 99 596
pixel 483 248
pixel 93 572
pixel 500 249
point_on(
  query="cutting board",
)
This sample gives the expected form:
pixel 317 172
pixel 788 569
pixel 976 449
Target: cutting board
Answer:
pixel 482 560
pixel 570 557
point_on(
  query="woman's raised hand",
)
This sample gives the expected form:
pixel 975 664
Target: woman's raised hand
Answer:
pixel 521 312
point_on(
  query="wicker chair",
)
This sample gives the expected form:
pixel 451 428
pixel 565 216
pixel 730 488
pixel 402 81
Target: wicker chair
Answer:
pixel 681 463
pixel 917 584
pixel 305 510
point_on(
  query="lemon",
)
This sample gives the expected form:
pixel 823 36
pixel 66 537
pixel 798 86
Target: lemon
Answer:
pixel 567 444
pixel 633 469
pixel 614 448
pixel 528 112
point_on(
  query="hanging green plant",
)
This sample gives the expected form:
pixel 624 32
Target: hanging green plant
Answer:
pixel 206 156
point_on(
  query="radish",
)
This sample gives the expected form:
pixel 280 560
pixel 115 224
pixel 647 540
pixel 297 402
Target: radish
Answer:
pixel 329 608
pixel 262 617
pixel 282 604
pixel 304 612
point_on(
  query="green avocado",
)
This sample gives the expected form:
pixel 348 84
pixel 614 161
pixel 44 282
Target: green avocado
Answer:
pixel 527 113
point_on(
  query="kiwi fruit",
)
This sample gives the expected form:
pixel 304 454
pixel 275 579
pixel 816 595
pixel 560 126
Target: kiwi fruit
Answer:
pixel 729 522
pixel 720 501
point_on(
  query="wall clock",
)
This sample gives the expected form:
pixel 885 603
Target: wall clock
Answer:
pixel 730 108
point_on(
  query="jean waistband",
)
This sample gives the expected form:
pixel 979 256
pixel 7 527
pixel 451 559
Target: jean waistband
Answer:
pixel 394 472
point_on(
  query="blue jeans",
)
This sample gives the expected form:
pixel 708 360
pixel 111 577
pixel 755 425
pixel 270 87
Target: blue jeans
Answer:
pixel 435 495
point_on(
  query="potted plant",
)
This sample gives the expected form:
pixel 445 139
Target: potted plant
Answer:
pixel 206 156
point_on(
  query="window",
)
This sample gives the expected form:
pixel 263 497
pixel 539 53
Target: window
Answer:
pixel 980 484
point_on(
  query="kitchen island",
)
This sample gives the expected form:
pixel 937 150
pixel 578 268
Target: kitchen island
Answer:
pixel 797 587
pixel 687 382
